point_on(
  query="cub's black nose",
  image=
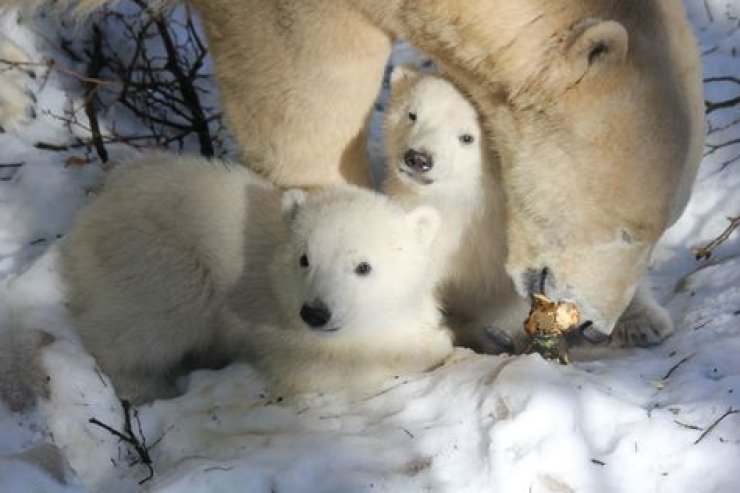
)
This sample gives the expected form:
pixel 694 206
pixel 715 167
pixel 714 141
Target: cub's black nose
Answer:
pixel 316 314
pixel 419 161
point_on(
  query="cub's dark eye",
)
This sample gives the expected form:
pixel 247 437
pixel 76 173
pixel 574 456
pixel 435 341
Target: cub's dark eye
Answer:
pixel 467 139
pixel 303 261
pixel 363 269
pixel 412 116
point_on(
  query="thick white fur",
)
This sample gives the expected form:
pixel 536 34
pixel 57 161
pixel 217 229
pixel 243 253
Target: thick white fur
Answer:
pixel 471 250
pixel 181 258
pixel 595 109
pixel 386 323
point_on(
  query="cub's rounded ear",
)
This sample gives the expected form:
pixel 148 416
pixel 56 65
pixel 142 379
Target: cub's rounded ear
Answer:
pixel 404 74
pixel 598 43
pixel 425 222
pixel 291 202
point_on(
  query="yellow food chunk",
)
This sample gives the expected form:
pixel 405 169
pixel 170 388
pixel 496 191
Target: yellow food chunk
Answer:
pixel 551 317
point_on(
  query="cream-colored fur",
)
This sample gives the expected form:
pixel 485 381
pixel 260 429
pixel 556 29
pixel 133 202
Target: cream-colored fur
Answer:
pixel 383 324
pixel 595 108
pixel 427 116
pixel 16 102
pixel 181 259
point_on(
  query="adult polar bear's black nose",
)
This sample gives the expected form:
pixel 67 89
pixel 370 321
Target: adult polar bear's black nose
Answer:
pixel 316 314
pixel 419 161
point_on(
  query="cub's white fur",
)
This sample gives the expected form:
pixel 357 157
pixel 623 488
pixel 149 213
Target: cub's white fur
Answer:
pixel 181 258
pixel 430 120
pixel 369 263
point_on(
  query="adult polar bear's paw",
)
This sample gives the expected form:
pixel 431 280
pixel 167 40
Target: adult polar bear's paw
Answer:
pixel 16 99
pixel 644 323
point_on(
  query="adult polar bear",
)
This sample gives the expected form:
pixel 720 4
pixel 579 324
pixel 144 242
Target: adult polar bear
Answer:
pixel 594 105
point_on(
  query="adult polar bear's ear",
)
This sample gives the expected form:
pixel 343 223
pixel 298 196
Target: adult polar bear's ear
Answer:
pixel 597 43
pixel 291 202
pixel 425 222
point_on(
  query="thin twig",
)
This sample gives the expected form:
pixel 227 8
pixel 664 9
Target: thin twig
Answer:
pixel 716 422
pixel 723 78
pixel 128 436
pixel 675 367
pixel 185 83
pixel 711 106
pixel 703 253
pixel 93 70
pixel 712 148
pixel 53 65
pixel 686 425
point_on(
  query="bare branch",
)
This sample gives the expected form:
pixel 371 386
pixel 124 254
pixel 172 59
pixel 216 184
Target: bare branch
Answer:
pixel 715 423
pixel 712 148
pixel 703 253
pixel 723 78
pixel 93 70
pixel 718 105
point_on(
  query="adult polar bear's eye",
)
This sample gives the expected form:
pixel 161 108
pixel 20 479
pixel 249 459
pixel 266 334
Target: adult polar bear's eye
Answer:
pixel 303 261
pixel 363 269
pixel 467 139
pixel 412 116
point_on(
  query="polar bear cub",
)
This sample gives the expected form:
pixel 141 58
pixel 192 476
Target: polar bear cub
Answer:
pixel 437 156
pixel 355 288
pixel 181 260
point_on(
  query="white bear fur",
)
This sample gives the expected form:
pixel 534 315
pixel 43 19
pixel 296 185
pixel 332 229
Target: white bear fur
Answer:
pixel 181 257
pixel 462 184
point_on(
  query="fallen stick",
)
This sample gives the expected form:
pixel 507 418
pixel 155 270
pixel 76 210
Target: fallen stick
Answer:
pixel 716 422
pixel 703 253
pixel 129 437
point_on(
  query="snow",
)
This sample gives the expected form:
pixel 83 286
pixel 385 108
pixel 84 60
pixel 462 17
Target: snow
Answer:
pixel 616 420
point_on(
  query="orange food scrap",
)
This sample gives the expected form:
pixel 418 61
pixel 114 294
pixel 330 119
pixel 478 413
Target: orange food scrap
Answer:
pixel 551 317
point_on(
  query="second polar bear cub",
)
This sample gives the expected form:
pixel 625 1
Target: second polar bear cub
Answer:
pixel 437 156
pixel 180 258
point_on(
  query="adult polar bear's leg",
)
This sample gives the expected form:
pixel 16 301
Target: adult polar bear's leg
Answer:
pixel 643 323
pixel 298 80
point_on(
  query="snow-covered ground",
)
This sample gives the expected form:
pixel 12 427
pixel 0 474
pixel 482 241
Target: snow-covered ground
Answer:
pixel 617 420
